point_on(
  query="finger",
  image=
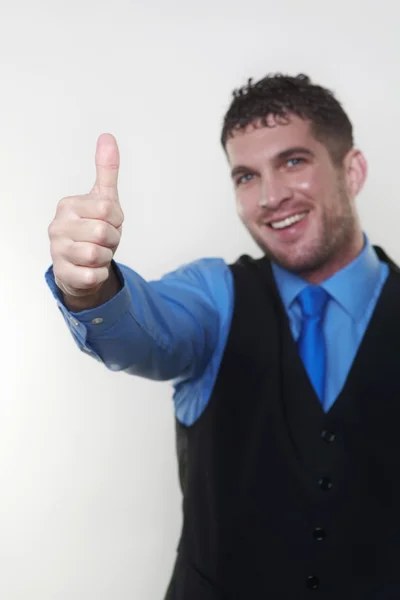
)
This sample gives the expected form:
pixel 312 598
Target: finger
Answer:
pixel 73 278
pixel 94 231
pixel 107 164
pixel 91 206
pixel 85 254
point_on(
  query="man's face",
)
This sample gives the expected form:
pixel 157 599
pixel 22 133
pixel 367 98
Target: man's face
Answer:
pixel 297 205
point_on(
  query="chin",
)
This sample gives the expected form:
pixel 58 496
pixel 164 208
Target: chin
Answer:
pixel 293 265
pixel 298 260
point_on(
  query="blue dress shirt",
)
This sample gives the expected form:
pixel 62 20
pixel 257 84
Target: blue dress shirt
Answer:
pixel 176 328
pixel 354 291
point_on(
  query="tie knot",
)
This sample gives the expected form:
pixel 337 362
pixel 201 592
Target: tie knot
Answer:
pixel 313 300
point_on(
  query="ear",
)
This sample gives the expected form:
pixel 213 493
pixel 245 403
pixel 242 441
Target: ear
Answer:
pixel 356 170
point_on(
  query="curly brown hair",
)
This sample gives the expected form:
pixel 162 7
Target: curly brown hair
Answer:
pixel 281 95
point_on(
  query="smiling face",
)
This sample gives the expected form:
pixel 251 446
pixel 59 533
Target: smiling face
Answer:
pixel 296 203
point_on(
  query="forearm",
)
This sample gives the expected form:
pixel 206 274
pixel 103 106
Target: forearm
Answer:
pixel 142 335
pixel 159 330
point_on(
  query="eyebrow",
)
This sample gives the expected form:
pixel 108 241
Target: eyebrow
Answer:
pixel 285 154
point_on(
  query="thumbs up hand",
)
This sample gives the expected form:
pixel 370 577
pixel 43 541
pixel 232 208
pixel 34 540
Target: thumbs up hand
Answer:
pixel 86 230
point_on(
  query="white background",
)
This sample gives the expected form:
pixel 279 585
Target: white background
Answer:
pixel 89 498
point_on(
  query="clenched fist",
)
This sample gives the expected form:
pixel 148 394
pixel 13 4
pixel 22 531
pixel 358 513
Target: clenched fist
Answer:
pixel 86 231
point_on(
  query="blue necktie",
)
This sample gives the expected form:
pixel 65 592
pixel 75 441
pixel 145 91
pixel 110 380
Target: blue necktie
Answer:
pixel 311 343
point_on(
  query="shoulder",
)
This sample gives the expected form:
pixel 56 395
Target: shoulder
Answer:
pixel 204 273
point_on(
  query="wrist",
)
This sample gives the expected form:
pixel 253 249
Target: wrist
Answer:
pixel 107 290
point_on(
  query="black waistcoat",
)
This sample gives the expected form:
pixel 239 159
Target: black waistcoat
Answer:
pixel 282 501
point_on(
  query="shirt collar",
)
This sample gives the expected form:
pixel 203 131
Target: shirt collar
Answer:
pixel 362 275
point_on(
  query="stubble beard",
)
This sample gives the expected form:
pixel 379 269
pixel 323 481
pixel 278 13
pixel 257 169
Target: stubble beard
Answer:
pixel 335 239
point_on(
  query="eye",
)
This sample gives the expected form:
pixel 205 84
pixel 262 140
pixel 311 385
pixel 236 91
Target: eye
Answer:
pixel 295 161
pixel 244 178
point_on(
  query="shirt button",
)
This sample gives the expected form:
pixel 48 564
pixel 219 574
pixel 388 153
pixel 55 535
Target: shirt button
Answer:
pixel 328 436
pixel 325 484
pixel 74 321
pixel 97 321
pixel 319 534
pixel 312 582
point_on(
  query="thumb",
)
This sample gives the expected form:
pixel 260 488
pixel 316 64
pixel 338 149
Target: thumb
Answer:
pixel 107 163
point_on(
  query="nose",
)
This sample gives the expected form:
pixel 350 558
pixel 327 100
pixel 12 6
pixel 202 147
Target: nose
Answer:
pixel 273 192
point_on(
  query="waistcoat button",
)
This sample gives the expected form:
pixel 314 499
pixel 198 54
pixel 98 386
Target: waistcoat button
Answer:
pixel 328 436
pixel 325 483
pixel 319 533
pixel 312 582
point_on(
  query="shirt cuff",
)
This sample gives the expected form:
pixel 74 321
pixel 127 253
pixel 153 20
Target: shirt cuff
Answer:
pixel 95 321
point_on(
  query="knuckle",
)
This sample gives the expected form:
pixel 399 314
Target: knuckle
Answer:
pixel 93 255
pixel 64 203
pixel 69 204
pixel 105 257
pixel 52 229
pixel 89 278
pixel 101 232
pixel 105 208
pixel 110 211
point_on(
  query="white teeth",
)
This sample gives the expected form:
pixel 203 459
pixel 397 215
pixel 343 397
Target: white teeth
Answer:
pixel 289 221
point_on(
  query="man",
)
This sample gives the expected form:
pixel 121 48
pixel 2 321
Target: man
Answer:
pixel 285 368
